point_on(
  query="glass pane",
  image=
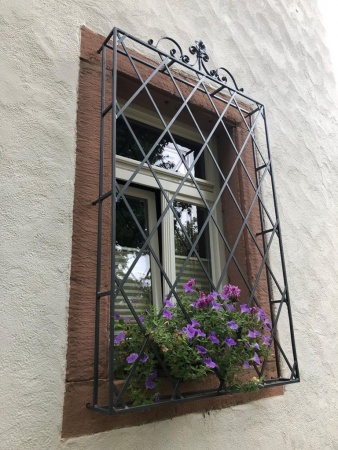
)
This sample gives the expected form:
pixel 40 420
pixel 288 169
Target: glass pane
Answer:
pixel 165 155
pixel 192 218
pixel 128 244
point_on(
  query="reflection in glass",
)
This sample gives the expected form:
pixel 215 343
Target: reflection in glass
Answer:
pixel 164 155
pixel 129 240
pixel 192 218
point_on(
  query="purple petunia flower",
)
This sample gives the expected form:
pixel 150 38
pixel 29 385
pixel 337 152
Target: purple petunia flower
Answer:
pixel 200 333
pixel 231 291
pixel 253 334
pixel 266 340
pixel 246 365
pixel 209 362
pixel 169 304
pixel 215 305
pixel 256 359
pixel 214 339
pixel 131 358
pixel 153 375
pixel 144 358
pixel 117 316
pixel 203 301
pixel 233 325
pixel 150 384
pixel 188 286
pixel 119 338
pixel 260 314
pixel 230 342
pixel 214 294
pixel 126 319
pixel 194 323
pixel 201 349
pixel 230 307
pixel 245 309
pixel 167 314
pixel 141 319
pixel 255 346
pixel 189 330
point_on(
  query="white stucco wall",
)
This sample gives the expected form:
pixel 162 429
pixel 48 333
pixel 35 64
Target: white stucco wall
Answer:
pixel 279 52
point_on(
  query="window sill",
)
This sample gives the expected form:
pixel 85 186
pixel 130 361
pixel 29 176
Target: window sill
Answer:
pixel 78 420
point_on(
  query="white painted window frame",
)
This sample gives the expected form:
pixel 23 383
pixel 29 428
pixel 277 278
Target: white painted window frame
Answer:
pixel 188 194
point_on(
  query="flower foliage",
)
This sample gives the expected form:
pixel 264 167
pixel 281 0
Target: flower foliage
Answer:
pixel 212 334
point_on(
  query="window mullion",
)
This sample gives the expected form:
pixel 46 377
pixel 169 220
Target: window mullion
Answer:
pixel 168 243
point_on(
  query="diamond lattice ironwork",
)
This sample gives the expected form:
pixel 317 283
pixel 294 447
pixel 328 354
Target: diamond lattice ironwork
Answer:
pixel 172 88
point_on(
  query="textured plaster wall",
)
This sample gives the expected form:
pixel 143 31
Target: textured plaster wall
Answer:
pixel 279 52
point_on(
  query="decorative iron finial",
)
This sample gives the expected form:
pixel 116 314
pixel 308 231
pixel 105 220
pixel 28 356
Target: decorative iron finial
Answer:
pixel 199 50
pixel 201 53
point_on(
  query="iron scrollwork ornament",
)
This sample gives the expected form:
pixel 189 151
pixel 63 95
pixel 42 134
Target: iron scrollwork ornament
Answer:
pixel 199 50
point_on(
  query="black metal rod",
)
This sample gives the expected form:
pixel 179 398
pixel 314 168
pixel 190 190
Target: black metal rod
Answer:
pixel 243 225
pixel 177 78
pixel 259 197
pixel 171 201
pixel 233 145
pixel 180 62
pixel 250 113
pixel 113 226
pixel 222 189
pixel 263 234
pixel 143 85
pixel 281 249
pixel 263 263
pixel 224 180
pixel 217 91
pixel 99 238
pixel 264 231
pixel 191 396
pixel 116 193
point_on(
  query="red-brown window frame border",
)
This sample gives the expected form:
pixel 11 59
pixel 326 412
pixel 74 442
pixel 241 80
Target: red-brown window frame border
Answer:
pixel 77 419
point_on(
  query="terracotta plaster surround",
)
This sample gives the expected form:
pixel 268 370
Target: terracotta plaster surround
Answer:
pixel 77 418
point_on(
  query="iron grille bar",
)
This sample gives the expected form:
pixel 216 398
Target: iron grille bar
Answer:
pixel 250 113
pixel 99 238
pixel 236 151
pixel 113 228
pixel 177 78
pixel 236 203
pixel 224 180
pixel 188 172
pixel 248 121
pixel 178 61
pixel 264 232
pixel 192 396
pixel 281 249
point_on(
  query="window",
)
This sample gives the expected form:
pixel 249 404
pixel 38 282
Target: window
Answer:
pixel 219 211
pixel 175 228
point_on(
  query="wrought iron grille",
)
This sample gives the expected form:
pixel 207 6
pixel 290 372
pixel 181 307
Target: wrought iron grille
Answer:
pixel 170 87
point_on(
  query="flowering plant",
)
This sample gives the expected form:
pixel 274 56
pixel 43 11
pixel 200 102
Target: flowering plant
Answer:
pixel 212 335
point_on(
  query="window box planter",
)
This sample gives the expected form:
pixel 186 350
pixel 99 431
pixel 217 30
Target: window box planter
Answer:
pixel 202 340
